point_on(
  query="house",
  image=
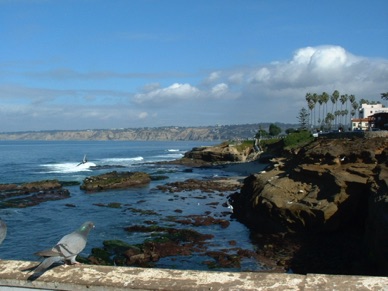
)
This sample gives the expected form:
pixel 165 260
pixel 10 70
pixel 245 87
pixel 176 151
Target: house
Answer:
pixel 360 124
pixel 367 117
pixel 367 110
pixel 379 121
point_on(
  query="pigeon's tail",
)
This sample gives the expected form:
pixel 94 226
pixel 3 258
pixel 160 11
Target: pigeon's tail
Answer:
pixel 43 266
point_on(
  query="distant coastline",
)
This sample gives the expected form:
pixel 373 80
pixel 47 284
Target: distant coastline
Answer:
pixel 167 133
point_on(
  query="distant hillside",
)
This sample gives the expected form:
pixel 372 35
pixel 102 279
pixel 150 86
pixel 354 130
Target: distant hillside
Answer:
pixel 205 133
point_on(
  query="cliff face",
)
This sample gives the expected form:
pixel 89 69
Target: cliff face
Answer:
pixel 329 185
pixel 221 154
pixel 224 132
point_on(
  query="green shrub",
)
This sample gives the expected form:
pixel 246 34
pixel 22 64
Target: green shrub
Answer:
pixel 297 138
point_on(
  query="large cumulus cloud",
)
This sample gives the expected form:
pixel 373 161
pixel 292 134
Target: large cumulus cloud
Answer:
pixel 275 91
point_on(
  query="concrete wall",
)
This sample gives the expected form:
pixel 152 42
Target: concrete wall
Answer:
pixel 96 278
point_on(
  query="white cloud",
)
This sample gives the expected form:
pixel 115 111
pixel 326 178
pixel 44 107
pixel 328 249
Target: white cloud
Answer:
pixel 325 67
pixel 143 115
pixel 174 92
pixel 213 77
pixel 220 89
pixel 236 78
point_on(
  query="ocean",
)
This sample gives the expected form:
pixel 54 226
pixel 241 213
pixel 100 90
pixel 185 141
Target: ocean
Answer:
pixel 39 227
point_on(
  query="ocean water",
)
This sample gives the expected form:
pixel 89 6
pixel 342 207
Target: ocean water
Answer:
pixel 35 228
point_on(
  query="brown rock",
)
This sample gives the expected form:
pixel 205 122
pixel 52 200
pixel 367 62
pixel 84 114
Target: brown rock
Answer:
pixel 115 180
pixel 328 185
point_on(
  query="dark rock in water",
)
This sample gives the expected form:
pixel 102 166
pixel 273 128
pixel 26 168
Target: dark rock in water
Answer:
pixel 109 205
pixel 165 242
pixel 69 183
pixel 31 194
pixel 105 167
pixel 159 177
pixel 115 180
pixel 201 220
pixel 205 186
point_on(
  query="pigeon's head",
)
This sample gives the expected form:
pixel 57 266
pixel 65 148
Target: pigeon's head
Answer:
pixel 86 227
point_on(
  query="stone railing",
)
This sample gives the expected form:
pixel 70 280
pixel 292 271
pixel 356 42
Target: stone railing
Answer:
pixel 91 277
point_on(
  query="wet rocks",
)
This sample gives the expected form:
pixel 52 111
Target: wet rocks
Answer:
pixel 31 194
pixel 205 186
pixel 168 242
pixel 115 180
pixel 165 242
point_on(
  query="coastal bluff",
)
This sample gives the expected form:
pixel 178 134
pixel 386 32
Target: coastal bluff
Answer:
pixel 164 133
pixel 331 185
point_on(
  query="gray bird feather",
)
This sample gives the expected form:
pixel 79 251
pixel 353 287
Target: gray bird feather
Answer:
pixel 66 249
pixel 3 231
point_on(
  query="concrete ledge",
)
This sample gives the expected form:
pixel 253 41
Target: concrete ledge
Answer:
pixel 91 277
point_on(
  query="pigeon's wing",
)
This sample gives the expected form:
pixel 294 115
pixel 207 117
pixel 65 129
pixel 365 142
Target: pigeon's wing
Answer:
pixel 49 253
pixel 46 264
pixel 71 244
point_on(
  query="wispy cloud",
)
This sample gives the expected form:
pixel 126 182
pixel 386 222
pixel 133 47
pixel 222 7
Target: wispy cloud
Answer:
pixel 70 74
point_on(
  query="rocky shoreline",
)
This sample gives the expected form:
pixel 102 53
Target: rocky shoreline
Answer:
pixel 320 208
pixel 328 200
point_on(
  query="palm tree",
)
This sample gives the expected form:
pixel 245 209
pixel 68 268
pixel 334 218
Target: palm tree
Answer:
pixel 337 113
pixel 320 120
pixel 384 96
pixel 334 98
pixel 310 104
pixel 355 107
pixel 325 98
pixel 314 98
pixel 343 113
pixel 352 98
pixel 328 120
pixel 343 100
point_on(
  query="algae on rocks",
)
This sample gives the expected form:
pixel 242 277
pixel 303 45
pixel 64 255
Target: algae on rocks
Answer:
pixel 115 180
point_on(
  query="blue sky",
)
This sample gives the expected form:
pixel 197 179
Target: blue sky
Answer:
pixel 86 64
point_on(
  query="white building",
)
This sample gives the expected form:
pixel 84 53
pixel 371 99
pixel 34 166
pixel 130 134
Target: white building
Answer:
pixel 367 110
pixel 360 124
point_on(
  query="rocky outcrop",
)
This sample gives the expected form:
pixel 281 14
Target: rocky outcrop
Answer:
pixel 31 194
pixel 328 185
pixel 115 180
pixel 220 154
pixel 376 231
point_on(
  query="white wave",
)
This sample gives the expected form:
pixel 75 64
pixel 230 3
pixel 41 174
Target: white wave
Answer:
pixel 173 150
pixel 122 160
pixel 135 159
pixel 166 157
pixel 69 167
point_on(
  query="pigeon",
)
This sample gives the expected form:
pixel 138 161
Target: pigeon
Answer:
pixel 66 249
pixel 3 231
